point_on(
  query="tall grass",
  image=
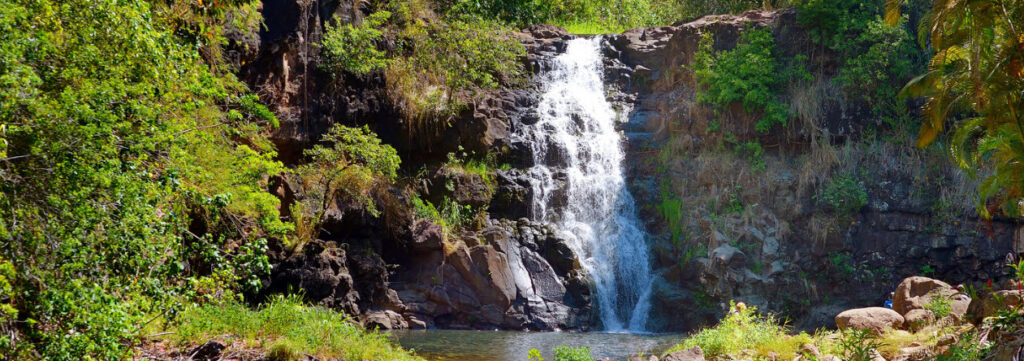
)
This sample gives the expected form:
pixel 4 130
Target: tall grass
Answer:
pixel 745 330
pixel 288 330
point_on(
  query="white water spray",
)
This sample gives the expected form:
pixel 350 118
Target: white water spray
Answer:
pixel 578 184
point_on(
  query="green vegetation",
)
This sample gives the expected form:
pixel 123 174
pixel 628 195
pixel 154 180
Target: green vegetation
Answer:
pixel 750 74
pixel 563 353
pixel 599 16
pixel 856 345
pixel 974 81
pixel 845 194
pixel 567 353
pixel 744 329
pixel 288 329
pixel 351 169
pixel 940 306
pixel 128 157
pixel 441 63
pixel 353 48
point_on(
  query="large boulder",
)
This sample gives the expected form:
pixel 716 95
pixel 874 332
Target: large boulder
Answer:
pixel 876 319
pixel 989 304
pixel 690 354
pixel 915 292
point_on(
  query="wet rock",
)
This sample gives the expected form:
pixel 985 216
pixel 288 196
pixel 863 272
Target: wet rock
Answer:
pixel 384 320
pixel 876 319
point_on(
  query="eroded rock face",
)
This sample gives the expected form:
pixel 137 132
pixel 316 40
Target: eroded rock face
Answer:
pixel 506 281
pixel 790 263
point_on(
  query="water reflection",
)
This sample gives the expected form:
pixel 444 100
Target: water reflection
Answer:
pixel 453 345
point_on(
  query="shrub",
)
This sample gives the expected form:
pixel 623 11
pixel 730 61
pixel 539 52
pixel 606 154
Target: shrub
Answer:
pixel 567 353
pixel 445 62
pixel 353 48
pixel 845 194
pixel 750 74
pixel 940 306
pixel 856 345
pixel 745 329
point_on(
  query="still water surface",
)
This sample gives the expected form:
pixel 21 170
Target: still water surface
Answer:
pixel 453 345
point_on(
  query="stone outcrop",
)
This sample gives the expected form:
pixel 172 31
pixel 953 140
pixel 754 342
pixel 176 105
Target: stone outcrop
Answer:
pixel 876 319
pixel 519 276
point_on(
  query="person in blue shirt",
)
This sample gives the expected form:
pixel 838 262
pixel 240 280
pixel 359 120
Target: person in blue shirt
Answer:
pixel 888 302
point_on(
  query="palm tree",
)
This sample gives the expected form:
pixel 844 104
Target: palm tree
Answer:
pixel 974 83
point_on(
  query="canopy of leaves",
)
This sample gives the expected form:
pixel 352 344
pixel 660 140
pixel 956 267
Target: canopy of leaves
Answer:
pixel 974 81
pixel 133 170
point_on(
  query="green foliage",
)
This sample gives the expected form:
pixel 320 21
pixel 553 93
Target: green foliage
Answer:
pixel 836 23
pixel 856 345
pixel 940 306
pixel 843 262
pixel 451 216
pixel 745 329
pixel 753 153
pixel 927 270
pixel 353 48
pixel 879 57
pixel 750 74
pixel 568 353
pixel 599 16
pixel 444 62
pixel 350 167
pixel 845 194
pixel 967 348
pixel 534 355
pixel 289 328
pixel 134 171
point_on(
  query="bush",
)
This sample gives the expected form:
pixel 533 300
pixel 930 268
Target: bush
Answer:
pixel 567 353
pixel 745 329
pixel 445 63
pixel 354 48
pixel 940 306
pixel 750 74
pixel 845 194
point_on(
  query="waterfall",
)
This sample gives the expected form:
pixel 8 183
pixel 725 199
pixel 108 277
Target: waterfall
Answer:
pixel 579 186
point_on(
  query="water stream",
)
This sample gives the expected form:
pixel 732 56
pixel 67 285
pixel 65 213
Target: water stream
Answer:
pixel 579 186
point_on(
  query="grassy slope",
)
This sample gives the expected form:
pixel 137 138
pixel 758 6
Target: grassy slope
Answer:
pixel 286 329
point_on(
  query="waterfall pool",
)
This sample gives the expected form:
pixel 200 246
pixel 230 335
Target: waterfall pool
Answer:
pixel 457 345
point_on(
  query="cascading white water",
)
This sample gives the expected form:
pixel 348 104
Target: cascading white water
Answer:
pixel 578 184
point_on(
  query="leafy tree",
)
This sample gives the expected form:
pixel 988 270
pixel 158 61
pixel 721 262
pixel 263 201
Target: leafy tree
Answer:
pixel 974 82
pixel 132 175
pixel 346 170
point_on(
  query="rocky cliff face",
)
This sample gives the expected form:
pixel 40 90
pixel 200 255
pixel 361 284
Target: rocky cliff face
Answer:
pixel 396 271
pixel 780 246
pixel 782 249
